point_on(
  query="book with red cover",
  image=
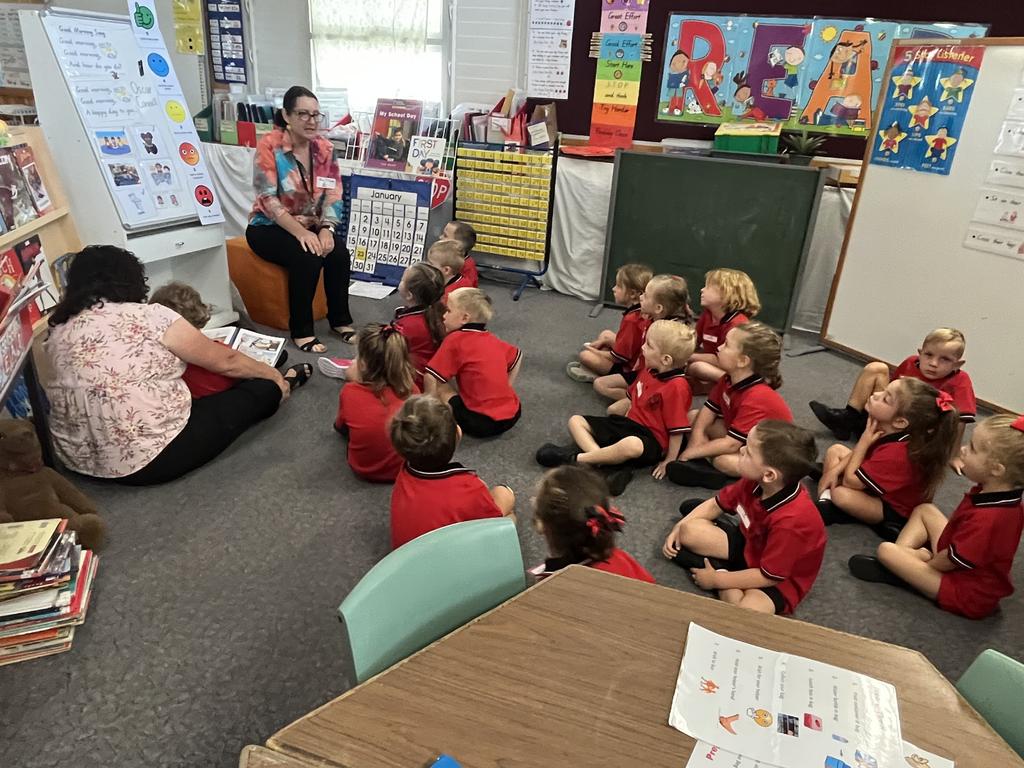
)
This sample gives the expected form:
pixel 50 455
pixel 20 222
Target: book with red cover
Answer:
pixel 25 545
pixel 395 122
pixel 11 274
pixel 25 159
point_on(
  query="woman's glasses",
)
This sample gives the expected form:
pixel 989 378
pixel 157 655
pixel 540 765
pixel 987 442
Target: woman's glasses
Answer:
pixel 308 117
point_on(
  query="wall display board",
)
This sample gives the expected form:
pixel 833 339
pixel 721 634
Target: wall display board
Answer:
pixel 387 226
pixel 623 49
pixel 137 126
pixel 685 215
pixel 818 74
pixel 227 41
pixel 549 48
pixel 943 250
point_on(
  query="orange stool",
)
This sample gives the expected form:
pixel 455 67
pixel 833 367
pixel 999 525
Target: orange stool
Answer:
pixel 264 286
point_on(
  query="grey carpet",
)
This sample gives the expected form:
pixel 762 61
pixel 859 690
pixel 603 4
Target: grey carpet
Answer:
pixel 213 622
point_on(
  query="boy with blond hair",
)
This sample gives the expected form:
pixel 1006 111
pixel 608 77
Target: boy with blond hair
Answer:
pixel 462 232
pixel 449 257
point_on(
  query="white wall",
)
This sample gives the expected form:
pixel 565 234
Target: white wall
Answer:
pixel 278 43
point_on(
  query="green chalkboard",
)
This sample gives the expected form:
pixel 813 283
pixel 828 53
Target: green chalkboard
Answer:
pixel 684 215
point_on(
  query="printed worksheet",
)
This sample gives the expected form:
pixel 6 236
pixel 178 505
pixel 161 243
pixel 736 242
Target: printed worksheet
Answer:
pixel 705 754
pixel 783 710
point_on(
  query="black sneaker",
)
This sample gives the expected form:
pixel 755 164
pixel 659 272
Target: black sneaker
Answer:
pixel 817 471
pixel 617 480
pixel 839 420
pixel 688 506
pixel 869 568
pixel 551 455
pixel 697 473
pixel 888 531
pixel 831 514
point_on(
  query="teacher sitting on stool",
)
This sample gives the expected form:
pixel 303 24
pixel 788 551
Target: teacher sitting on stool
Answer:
pixel 294 220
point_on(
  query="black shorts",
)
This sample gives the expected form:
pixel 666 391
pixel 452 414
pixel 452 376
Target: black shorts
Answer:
pixel 479 424
pixel 737 562
pixel 629 376
pixel 608 430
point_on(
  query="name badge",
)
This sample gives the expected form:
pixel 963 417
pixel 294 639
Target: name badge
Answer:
pixel 709 337
pixel 325 182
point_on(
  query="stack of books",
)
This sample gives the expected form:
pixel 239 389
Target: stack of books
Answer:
pixel 45 583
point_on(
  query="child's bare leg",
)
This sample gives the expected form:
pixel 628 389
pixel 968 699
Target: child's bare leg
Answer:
pixel 612 386
pixel 704 371
pixel 731 596
pixel 596 360
pixel 703 537
pixel 922 531
pixel 505 499
pixel 757 600
pixel 872 378
pixel 580 431
pixel 834 455
pixel 626 449
pixel 605 339
pixel 727 463
pixel 905 563
pixel 858 504
pixel 619 407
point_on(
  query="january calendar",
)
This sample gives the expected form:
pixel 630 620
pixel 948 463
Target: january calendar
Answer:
pixel 387 226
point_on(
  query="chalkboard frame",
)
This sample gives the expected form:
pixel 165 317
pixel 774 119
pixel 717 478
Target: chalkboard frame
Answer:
pixel 628 155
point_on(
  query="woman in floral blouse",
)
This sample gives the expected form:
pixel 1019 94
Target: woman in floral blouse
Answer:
pixel 296 215
pixel 120 409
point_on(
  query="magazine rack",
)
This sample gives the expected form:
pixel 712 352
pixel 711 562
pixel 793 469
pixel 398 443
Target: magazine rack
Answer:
pixel 507 193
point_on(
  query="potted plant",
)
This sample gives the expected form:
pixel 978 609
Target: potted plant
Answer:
pixel 801 147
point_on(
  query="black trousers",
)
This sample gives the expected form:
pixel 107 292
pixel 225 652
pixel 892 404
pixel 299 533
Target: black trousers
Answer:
pixel 272 243
pixel 214 423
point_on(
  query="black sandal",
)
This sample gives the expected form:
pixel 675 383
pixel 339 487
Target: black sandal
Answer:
pixel 303 371
pixel 308 346
pixel 345 336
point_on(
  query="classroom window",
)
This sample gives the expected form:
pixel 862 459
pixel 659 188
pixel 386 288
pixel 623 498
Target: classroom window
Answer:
pixel 380 49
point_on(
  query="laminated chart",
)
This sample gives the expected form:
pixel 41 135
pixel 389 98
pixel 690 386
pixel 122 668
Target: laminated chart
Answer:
pixel 505 196
pixel 623 49
pixel 387 226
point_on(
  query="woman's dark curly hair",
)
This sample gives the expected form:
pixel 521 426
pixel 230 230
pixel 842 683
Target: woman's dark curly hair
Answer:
pixel 100 273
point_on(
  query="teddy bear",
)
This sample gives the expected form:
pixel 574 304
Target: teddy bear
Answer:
pixel 29 490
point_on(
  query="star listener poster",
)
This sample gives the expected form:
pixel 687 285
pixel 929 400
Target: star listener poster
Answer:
pixel 927 95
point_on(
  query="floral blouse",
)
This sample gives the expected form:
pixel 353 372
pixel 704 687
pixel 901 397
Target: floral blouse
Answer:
pixel 117 398
pixel 284 186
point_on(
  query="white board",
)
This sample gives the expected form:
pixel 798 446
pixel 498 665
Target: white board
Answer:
pixel 906 269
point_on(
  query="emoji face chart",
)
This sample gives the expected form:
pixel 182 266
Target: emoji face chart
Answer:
pixel 131 105
pixel 781 709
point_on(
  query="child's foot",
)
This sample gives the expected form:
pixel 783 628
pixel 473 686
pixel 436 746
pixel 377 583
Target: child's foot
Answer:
pixel 578 372
pixel 869 568
pixel 843 422
pixel 617 480
pixel 333 367
pixel 551 455
pixel 831 514
pixel 697 473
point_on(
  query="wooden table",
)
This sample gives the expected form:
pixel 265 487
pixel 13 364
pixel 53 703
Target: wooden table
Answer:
pixel 580 671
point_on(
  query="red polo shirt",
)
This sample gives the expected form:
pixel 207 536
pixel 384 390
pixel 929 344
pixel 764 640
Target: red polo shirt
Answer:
pixel 982 538
pixel 785 535
pixel 618 562
pixel 469 274
pixel 423 501
pixel 711 335
pixel 888 473
pixel 630 337
pixel 411 322
pixel 744 405
pixel 638 363
pixel 453 284
pixel 366 416
pixel 957 384
pixel 480 363
pixel 661 401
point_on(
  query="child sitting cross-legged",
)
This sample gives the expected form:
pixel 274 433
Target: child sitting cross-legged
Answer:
pixel 963 563
pixel 573 513
pixel 768 555
pixel 896 464
pixel 463 233
pixel 479 364
pixel 431 491
pixel 380 380
pixel 728 299
pixel 665 297
pixel 617 351
pixel 651 427
pixel 449 258
pixel 739 401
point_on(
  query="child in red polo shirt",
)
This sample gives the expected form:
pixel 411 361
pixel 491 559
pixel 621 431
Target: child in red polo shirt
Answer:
pixel 654 421
pixel 963 563
pixel 421 320
pixel 573 513
pixel 431 491
pixel 665 297
pixel 449 258
pixel 481 365
pixel 768 557
pixel 728 299
pixel 617 351
pixel 896 464
pixel 380 381
pixel 463 233
pixel 739 401
pixel 938 362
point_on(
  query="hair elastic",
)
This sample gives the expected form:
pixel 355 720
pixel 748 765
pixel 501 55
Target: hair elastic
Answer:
pixel 1018 423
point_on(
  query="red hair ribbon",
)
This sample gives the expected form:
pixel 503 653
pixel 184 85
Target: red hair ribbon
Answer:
pixel 601 519
pixel 1018 424
pixel 387 329
pixel 945 402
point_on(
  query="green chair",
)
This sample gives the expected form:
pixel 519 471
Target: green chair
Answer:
pixel 994 685
pixel 428 587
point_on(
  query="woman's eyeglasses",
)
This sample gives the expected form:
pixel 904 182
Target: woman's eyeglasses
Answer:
pixel 308 117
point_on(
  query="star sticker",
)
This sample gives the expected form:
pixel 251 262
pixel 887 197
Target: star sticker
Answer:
pixel 903 85
pixel 891 138
pixel 953 87
pixel 923 113
pixel 938 144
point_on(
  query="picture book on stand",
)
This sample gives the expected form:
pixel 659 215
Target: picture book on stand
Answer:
pixel 395 121
pixel 30 253
pixel 426 156
pixel 25 159
pixel 16 207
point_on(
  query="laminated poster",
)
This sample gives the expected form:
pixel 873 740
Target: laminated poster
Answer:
pixel 924 107
pixel 705 755
pixel 783 710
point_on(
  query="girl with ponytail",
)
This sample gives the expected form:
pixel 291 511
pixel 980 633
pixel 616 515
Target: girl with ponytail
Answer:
pixel 421 320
